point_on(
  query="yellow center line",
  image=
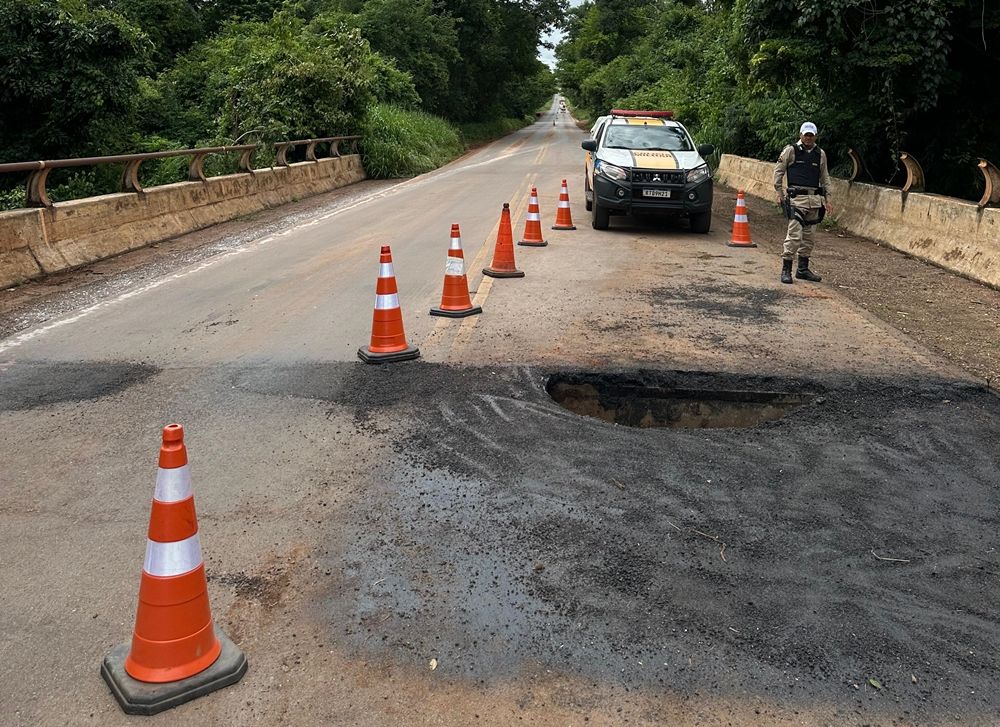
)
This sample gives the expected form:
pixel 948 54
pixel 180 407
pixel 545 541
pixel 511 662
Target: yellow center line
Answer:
pixel 464 331
pixel 441 325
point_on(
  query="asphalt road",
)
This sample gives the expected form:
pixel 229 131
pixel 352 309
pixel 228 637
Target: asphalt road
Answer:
pixel 359 522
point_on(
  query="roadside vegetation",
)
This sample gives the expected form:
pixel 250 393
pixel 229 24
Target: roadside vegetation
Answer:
pixel 879 77
pixel 419 78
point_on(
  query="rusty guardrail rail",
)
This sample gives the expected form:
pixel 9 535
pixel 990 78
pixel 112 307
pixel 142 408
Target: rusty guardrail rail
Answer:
pixel 38 171
pixel 915 176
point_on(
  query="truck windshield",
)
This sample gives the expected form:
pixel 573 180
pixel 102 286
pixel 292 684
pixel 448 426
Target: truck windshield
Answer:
pixel 663 138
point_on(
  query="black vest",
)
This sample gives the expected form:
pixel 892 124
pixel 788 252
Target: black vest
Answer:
pixel 804 171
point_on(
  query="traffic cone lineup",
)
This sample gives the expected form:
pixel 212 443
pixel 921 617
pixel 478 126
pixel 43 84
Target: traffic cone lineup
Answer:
pixel 564 217
pixel 388 342
pixel 176 654
pixel 503 265
pixel 741 225
pixel 533 224
pixel 455 300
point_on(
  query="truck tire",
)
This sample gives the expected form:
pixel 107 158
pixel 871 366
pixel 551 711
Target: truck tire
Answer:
pixel 602 216
pixel 701 222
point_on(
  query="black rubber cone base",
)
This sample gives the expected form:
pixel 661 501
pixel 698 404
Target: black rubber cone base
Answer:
pixel 524 243
pixel 457 313
pixel 569 227
pixel 503 273
pixel 137 697
pixel 379 358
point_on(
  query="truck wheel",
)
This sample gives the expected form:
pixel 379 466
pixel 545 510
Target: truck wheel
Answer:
pixel 701 222
pixel 602 216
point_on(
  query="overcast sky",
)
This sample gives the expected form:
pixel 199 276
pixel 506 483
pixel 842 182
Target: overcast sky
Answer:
pixel 547 55
pixel 544 53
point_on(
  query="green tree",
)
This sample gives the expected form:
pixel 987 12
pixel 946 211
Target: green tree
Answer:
pixel 876 75
pixel 216 13
pixel 497 45
pixel 172 26
pixel 68 79
pixel 421 40
pixel 276 79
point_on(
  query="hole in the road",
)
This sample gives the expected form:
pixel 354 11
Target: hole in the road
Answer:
pixel 636 403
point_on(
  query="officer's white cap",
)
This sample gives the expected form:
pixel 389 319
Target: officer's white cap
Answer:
pixel 807 128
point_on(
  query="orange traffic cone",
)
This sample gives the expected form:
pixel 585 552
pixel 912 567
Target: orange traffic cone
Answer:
pixel 388 342
pixel 533 224
pixel 176 653
pixel 455 300
pixel 741 228
pixel 564 219
pixel 503 255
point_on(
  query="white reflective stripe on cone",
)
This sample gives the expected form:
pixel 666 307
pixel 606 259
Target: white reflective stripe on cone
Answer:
pixel 386 302
pixel 456 243
pixel 454 266
pixel 741 218
pixel 564 203
pixel 385 270
pixel 172 559
pixel 173 485
pixel 533 216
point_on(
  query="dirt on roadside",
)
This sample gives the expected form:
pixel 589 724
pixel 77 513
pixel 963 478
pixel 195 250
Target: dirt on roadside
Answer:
pixel 952 316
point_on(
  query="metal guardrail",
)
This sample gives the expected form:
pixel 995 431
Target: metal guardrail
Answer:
pixel 38 171
pixel 915 176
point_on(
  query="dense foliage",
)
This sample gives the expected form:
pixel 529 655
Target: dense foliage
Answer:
pixel 91 77
pixel 877 75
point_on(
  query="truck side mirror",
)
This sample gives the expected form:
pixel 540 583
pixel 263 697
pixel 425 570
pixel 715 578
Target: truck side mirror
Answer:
pixel 706 150
pixel 589 144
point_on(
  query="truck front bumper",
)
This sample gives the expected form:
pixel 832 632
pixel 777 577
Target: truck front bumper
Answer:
pixel 623 198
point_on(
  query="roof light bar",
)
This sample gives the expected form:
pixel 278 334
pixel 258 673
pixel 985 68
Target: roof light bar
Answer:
pixel 650 114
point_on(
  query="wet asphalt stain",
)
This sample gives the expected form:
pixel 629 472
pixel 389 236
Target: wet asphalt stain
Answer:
pixel 722 301
pixel 364 390
pixel 502 531
pixel 29 385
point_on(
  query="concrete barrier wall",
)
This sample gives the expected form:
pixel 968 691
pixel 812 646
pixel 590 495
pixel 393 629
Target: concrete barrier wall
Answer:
pixel 952 233
pixel 35 242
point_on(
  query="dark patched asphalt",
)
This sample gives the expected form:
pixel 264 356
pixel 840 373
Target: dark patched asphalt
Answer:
pixel 723 560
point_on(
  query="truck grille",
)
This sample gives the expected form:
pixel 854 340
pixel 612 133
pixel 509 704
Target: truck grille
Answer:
pixel 658 176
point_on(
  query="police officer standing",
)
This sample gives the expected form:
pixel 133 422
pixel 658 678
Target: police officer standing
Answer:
pixel 806 202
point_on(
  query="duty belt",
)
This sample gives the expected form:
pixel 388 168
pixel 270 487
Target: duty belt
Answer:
pixel 793 191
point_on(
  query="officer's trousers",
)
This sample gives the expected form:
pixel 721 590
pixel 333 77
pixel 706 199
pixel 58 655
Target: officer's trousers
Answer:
pixel 799 240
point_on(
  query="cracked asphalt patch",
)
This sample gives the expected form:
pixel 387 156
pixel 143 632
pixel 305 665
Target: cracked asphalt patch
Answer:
pixel 793 561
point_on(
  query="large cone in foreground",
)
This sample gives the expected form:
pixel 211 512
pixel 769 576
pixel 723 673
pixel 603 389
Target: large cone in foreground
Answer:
pixel 176 654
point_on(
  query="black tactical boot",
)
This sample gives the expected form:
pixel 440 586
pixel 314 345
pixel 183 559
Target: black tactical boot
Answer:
pixel 786 271
pixel 804 273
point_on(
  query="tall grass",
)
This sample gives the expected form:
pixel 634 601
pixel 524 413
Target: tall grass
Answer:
pixel 400 143
pixel 483 132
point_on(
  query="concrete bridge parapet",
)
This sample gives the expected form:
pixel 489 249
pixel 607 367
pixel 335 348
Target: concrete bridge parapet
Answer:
pixel 40 241
pixel 954 234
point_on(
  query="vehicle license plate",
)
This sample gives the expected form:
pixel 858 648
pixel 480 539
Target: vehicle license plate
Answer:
pixel 656 193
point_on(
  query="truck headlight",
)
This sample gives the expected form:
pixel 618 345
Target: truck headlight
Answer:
pixel 698 174
pixel 612 172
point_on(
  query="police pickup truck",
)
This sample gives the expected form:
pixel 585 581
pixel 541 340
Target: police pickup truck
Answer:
pixel 645 162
